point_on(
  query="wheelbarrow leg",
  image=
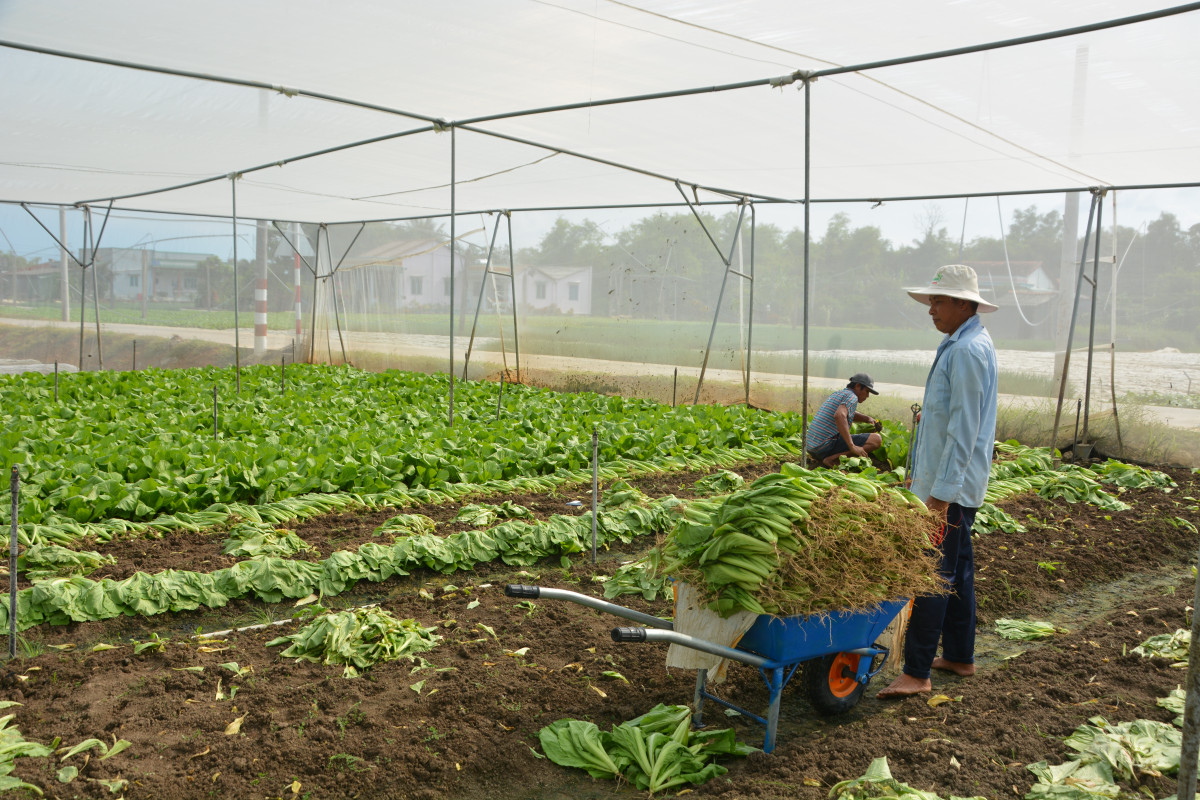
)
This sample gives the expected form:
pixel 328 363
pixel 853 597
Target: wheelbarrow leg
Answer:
pixel 775 685
pixel 698 699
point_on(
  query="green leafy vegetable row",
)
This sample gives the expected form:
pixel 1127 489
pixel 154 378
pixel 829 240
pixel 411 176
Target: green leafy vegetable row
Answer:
pixel 136 445
pixel 64 532
pixel 271 579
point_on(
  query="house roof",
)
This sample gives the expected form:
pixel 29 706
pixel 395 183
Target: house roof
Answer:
pixel 394 253
pixel 1018 267
pixel 559 273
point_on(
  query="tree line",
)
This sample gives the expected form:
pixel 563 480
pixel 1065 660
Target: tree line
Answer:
pixel 665 267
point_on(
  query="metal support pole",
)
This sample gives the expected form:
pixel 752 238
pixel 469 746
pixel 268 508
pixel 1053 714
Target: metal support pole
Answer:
pixel 92 241
pixel 296 280
pixel 12 566
pixel 144 281
pixel 674 386
pixel 336 296
pixel 1112 383
pixel 1062 384
pixel 915 408
pixel 1074 441
pixel 237 347
pixel 333 282
pixel 453 215
pixel 595 486
pixel 1190 747
pixel 728 261
pixel 56 380
pixel 1095 281
pixel 135 355
pixel 83 290
pixel 96 310
pixel 804 292
pixel 214 412
pixel 750 313
pixel 312 339
pixel 487 270
pixel 512 277
pixel 282 374
pixel 64 273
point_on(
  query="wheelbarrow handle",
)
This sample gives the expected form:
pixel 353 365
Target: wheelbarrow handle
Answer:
pixel 531 592
pixel 692 642
pixel 629 634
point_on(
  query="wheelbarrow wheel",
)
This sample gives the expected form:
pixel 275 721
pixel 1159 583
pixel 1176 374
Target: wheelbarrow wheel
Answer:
pixel 830 685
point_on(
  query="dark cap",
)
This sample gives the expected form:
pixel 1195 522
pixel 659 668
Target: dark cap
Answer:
pixel 864 379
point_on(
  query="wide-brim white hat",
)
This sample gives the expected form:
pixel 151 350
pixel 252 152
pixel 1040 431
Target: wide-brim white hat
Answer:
pixel 953 280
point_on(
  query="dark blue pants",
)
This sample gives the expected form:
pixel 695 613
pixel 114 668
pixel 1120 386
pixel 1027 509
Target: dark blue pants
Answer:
pixel 949 618
pixel 838 446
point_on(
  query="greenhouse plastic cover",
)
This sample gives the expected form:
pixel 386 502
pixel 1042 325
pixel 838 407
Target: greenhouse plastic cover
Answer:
pixel 1113 107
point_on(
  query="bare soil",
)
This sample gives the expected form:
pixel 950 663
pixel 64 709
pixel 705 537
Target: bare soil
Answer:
pixel 470 730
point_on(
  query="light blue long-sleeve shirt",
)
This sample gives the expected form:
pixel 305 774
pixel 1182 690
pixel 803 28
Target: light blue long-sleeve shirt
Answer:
pixel 952 453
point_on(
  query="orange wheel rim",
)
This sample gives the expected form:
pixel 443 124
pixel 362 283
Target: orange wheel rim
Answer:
pixel 842 682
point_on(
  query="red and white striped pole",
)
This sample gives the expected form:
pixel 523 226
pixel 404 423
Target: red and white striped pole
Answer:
pixel 260 291
pixel 260 315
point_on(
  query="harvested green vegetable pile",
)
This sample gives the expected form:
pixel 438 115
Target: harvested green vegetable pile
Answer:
pixel 803 542
pixel 878 784
pixel 656 752
pixel 1025 630
pixel 358 638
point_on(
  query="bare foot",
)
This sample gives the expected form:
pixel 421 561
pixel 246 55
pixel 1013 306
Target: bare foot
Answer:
pixel 957 667
pixel 905 686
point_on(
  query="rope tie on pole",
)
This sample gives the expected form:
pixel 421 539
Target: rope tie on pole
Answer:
pixel 441 126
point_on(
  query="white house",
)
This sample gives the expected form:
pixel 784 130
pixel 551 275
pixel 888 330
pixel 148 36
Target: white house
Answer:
pixel 402 274
pixel 167 275
pixel 1026 281
pixel 565 289
pixel 1024 292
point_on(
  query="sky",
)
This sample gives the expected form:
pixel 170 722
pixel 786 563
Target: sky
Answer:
pixel 902 223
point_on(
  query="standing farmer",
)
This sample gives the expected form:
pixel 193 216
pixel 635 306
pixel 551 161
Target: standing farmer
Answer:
pixel 952 458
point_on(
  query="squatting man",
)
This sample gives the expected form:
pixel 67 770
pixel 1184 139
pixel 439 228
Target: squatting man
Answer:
pixel 829 435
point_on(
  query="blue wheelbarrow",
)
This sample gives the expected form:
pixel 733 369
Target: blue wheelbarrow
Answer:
pixel 838 651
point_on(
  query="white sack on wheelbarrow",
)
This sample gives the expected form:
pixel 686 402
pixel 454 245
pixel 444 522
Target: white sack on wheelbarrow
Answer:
pixel 694 619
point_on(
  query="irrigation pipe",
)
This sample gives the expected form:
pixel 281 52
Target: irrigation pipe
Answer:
pixel 1008 266
pixel 262 625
